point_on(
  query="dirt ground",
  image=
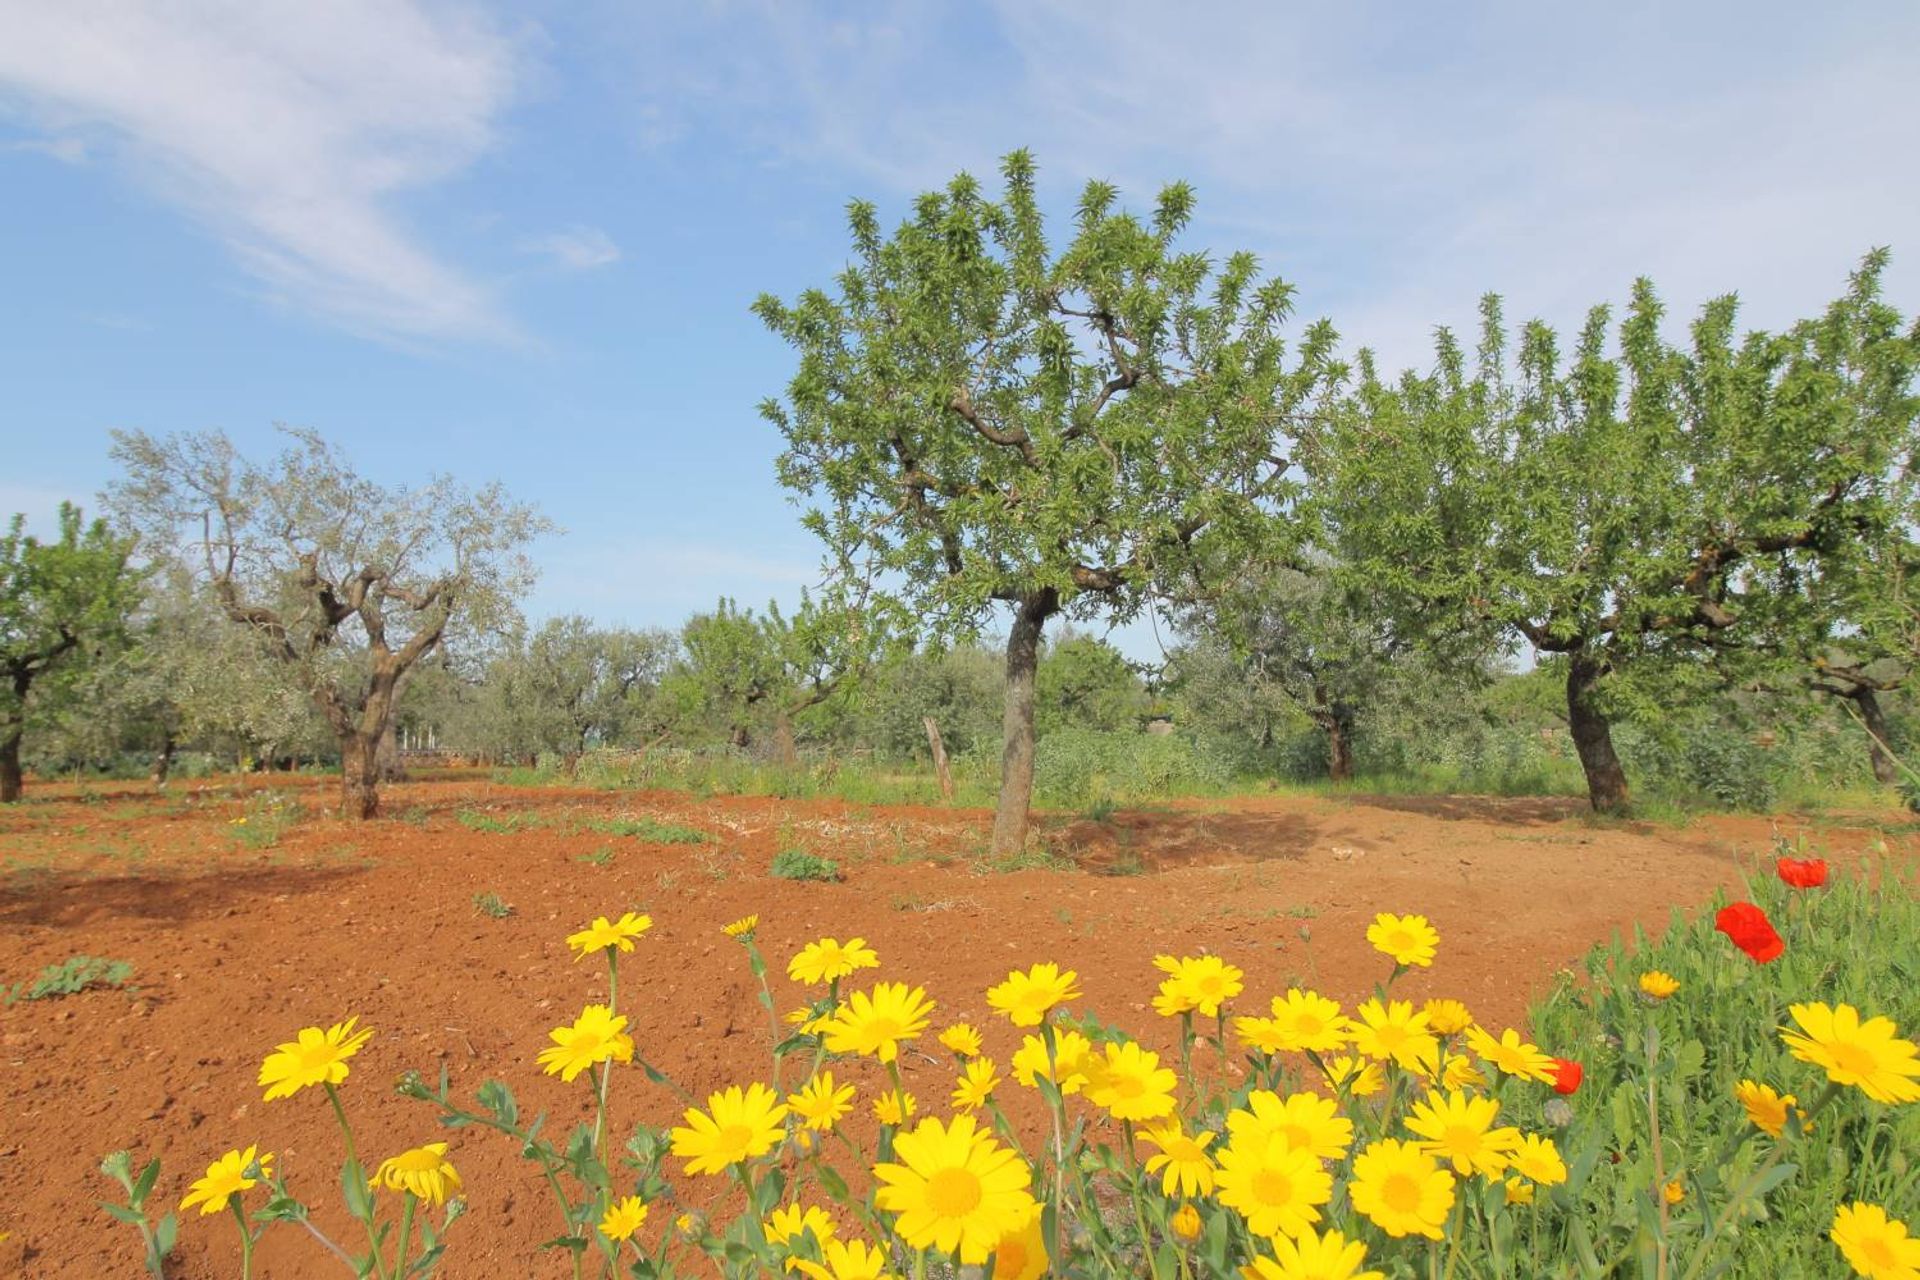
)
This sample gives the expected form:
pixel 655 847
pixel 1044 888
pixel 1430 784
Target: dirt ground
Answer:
pixel 237 945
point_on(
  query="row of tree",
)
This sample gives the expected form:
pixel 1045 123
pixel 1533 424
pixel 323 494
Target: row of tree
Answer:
pixel 991 430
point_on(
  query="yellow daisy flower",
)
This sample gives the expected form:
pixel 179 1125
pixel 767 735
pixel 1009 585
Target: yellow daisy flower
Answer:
pixel 1409 940
pixel 1130 1082
pixel 737 1126
pixel 741 928
pixel 1444 1070
pixel 788 1225
pixel 1658 984
pixel 827 960
pixel 1518 1191
pixel 622 1219
pixel 1402 1189
pixel 1195 984
pixel 1393 1032
pixel 1538 1160
pixel 1304 1120
pixel 1765 1106
pixel 1458 1127
pixel 1513 1055
pixel 962 1039
pixel 895 1107
pixel 1875 1245
pixel 847 1260
pixel 315 1057
pixel 1447 1017
pixel 1361 1078
pixel 975 1086
pixel 875 1023
pixel 1071 1050
pixel 604 934
pixel 597 1035
pixel 955 1189
pixel 1868 1055
pixel 1262 1035
pixel 424 1172
pixel 821 1103
pixel 227 1177
pixel 1311 1256
pixel 1026 998
pixel 1674 1192
pixel 1020 1254
pixel 1181 1161
pixel 1275 1187
pixel 1309 1023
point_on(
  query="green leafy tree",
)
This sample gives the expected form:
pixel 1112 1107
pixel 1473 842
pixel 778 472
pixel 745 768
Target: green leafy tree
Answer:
pixel 61 602
pixel 1640 509
pixel 570 685
pixel 348 582
pixel 1085 683
pixel 984 422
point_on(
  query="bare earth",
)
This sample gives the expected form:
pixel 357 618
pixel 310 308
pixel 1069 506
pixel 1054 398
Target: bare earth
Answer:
pixel 234 949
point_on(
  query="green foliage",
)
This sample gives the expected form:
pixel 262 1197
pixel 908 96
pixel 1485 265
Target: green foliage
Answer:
pixel 1075 765
pixel 798 864
pixel 72 976
pixel 61 604
pixel 498 823
pixel 156 1236
pixel 1085 683
pixel 651 830
pixel 492 905
pixel 268 817
pixel 1853 942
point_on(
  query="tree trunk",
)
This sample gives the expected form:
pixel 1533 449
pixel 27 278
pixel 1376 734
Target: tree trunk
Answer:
pixel 163 762
pixel 1016 762
pixel 784 748
pixel 939 749
pixel 1593 735
pixel 10 774
pixel 1336 721
pixel 1884 770
pixel 359 776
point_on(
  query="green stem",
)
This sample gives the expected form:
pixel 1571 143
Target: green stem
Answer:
pixel 1739 1198
pixel 406 1234
pixel 246 1239
pixel 366 1189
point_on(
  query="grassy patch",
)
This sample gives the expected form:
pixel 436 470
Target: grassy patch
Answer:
pixel 798 864
pixel 649 829
pixel 492 905
pixel 498 823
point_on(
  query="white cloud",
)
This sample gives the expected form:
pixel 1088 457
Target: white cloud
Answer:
pixel 576 248
pixel 1393 162
pixel 289 129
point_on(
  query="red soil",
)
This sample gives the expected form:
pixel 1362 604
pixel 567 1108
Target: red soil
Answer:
pixel 234 949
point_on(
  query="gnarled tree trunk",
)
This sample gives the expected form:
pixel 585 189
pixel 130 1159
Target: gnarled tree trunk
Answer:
pixel 360 776
pixel 11 778
pixel 1593 735
pixel 1335 719
pixel 1017 725
pixel 1871 714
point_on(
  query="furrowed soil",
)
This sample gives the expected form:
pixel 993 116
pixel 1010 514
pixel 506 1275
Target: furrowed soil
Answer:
pixel 240 933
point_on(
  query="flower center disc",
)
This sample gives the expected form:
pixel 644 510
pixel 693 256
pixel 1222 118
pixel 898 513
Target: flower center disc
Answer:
pixel 736 1137
pixel 1851 1059
pixel 1401 1193
pixel 953 1193
pixel 1272 1187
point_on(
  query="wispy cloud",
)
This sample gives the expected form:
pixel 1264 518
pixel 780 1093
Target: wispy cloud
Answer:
pixel 1394 162
pixel 287 128
pixel 576 248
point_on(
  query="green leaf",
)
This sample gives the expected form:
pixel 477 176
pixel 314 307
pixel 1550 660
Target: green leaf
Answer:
pixel 355 1194
pixel 144 1183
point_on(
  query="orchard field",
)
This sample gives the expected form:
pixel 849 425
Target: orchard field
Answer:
pixel 247 911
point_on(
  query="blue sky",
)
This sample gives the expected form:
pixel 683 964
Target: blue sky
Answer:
pixel 519 241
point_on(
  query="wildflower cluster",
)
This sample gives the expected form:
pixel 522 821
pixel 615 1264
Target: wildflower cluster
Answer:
pixel 1314 1142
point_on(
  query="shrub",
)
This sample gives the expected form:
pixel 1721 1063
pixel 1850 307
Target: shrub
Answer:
pixel 798 864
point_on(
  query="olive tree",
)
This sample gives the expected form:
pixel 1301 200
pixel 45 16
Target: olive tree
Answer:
pixel 1642 508
pixel 984 422
pixel 60 602
pixel 350 583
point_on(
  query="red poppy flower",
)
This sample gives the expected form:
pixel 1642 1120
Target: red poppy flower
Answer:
pixel 1750 930
pixel 1809 873
pixel 1567 1075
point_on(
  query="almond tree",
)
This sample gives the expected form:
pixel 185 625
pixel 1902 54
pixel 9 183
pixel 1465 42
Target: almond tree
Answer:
pixel 60 601
pixel 985 424
pixel 1642 507
pixel 350 583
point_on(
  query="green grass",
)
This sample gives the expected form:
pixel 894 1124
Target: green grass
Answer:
pixel 1856 942
pixel 498 824
pixel 492 905
pixel 798 864
pixel 649 829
